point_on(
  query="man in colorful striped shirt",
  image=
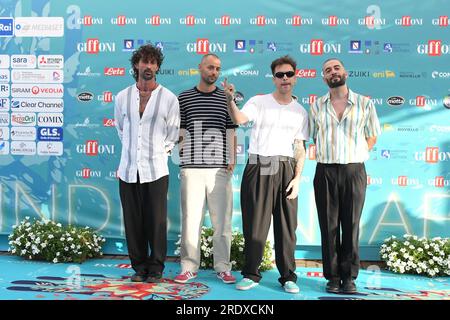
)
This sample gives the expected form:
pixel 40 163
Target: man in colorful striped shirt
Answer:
pixel 344 126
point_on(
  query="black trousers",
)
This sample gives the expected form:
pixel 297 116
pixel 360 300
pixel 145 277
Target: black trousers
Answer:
pixel 145 217
pixel 263 195
pixel 340 191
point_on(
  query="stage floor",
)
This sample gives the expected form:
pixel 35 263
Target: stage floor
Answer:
pixel 108 279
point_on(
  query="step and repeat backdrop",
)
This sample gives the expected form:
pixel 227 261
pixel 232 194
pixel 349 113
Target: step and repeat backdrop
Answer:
pixel 63 62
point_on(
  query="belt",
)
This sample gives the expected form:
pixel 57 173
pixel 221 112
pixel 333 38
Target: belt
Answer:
pixel 267 159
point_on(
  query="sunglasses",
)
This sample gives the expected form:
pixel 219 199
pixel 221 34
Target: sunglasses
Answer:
pixel 280 75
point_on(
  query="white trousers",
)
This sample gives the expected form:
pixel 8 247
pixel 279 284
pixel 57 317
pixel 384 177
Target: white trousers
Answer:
pixel 201 188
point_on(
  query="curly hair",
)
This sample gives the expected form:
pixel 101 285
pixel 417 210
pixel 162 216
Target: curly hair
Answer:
pixel 283 60
pixel 147 53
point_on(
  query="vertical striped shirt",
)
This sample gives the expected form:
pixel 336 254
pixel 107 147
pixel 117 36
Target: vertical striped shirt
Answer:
pixel 205 117
pixel 343 141
pixel 146 141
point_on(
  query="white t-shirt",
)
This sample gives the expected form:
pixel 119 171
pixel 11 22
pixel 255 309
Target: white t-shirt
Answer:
pixel 275 126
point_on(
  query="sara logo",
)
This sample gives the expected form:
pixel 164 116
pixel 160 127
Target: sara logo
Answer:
pixel 6 27
pixel 50 134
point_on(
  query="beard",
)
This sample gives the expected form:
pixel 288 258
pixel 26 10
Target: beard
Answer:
pixel 210 80
pixel 335 84
pixel 147 75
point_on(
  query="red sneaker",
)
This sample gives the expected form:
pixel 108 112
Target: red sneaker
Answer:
pixel 226 277
pixel 185 277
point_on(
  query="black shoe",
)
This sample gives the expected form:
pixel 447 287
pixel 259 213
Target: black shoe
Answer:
pixel 154 277
pixel 139 277
pixel 333 286
pixel 348 287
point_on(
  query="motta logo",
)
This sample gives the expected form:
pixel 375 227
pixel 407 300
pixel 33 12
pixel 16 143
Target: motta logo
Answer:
pixel 85 96
pixel 94 46
pixel 263 21
pixel 114 72
pixel 434 48
pixel 395 101
pixel 298 21
pixel 90 20
pixel 334 21
pixel 442 21
pixel 227 20
pixel 191 20
pixel 407 21
pixel 306 73
pixel 317 47
pixel 312 152
pixel 156 20
pixel 123 20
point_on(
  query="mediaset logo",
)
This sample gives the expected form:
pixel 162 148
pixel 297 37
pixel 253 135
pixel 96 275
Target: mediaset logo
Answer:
pixel 227 20
pixel 90 21
pixel 191 20
pixel 408 21
pixel 204 46
pixel 298 21
pixel 157 20
pixel 6 27
pixel 434 48
pixel 318 47
pixel 262 21
pixel 123 20
pixel 39 27
pixel 94 46
pixel 333 21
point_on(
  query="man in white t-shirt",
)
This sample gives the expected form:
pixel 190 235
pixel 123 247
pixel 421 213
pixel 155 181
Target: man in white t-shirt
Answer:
pixel 272 175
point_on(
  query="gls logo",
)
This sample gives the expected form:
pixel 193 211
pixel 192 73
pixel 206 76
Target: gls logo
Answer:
pixel 6 27
pixel 50 134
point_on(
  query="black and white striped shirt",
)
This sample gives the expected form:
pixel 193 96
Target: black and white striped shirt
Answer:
pixel 146 141
pixel 206 120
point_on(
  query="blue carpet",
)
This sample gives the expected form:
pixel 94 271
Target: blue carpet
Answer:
pixel 109 279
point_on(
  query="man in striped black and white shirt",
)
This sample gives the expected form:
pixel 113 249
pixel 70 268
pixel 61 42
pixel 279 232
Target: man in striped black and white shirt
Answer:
pixel 344 126
pixel 147 120
pixel 207 144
